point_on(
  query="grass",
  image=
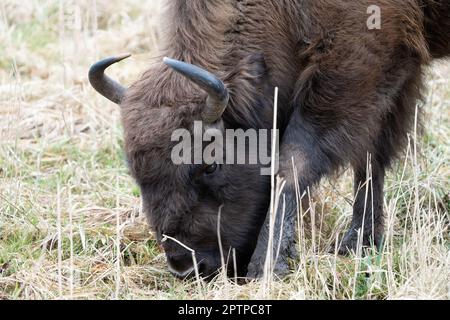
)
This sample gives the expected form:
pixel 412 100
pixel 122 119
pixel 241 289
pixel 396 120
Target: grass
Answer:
pixel 70 219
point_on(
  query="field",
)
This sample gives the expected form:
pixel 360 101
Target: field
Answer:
pixel 70 220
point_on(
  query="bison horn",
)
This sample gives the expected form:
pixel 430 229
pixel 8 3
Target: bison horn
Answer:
pixel 217 92
pixel 106 86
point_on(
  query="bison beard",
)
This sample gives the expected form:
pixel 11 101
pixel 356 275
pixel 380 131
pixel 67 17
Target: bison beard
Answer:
pixel 346 92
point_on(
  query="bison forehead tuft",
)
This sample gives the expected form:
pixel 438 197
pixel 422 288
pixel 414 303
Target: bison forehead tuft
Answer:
pixel 146 127
pixel 147 142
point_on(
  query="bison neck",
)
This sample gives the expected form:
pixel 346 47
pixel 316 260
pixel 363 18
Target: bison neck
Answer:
pixel 198 31
pixel 219 34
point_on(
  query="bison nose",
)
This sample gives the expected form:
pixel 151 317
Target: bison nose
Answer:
pixel 181 266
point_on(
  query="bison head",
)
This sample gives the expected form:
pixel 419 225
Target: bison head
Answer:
pixel 183 201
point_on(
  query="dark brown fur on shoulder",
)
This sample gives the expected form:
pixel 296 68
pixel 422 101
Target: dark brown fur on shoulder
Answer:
pixel 437 26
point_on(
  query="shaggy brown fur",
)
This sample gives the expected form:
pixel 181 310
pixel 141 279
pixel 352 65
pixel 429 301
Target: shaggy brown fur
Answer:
pixel 345 92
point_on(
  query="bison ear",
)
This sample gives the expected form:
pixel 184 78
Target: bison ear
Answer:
pixel 251 71
pixel 250 92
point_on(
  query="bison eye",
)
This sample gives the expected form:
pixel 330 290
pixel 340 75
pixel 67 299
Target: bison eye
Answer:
pixel 211 168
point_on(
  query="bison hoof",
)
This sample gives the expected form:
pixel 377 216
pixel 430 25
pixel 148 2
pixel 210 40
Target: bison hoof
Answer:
pixel 256 270
pixel 350 242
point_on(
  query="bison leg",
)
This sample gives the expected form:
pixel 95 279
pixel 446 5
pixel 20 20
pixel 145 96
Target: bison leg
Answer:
pixel 285 248
pixel 367 209
pixel 299 148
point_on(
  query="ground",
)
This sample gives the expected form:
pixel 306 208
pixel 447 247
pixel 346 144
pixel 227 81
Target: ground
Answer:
pixel 70 220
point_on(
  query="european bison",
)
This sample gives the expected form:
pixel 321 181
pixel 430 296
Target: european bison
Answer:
pixel 346 90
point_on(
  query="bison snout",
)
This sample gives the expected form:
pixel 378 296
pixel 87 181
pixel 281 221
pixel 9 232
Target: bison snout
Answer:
pixel 181 266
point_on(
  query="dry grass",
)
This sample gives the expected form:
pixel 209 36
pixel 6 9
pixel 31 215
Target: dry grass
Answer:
pixel 70 223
